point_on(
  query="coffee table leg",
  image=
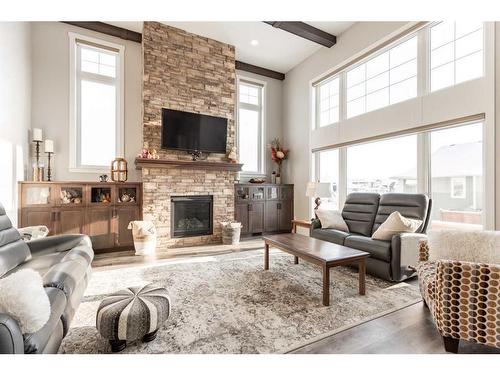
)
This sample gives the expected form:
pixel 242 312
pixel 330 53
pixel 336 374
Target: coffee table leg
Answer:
pixel 296 260
pixel 326 286
pixel 266 256
pixel 362 272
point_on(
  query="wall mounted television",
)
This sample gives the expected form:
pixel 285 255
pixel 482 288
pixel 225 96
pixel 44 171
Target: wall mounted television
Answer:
pixel 193 132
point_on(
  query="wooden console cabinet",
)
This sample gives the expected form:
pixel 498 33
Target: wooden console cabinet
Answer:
pixel 263 208
pixel 101 210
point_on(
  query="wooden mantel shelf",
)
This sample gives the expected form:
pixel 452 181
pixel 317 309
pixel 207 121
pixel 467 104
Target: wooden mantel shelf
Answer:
pixel 187 164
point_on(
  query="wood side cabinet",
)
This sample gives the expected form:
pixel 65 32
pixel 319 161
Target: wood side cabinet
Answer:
pixel 100 210
pixel 264 208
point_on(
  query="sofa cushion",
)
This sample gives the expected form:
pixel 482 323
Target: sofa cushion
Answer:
pixel 411 206
pixel 359 212
pixel 35 342
pixel 330 235
pixel 331 219
pixel 395 224
pixel 378 249
pixel 13 250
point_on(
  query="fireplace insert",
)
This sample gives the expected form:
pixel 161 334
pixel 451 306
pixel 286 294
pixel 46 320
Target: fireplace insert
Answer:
pixel 191 216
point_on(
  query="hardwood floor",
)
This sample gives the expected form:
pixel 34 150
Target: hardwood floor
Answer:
pixel 406 331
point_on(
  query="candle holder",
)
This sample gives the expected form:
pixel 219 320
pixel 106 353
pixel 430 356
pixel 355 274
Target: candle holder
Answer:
pixel 49 169
pixel 37 170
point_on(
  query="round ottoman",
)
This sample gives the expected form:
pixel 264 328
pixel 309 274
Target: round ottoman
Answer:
pixel 132 314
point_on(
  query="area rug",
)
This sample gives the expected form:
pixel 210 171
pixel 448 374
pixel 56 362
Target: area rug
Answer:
pixel 229 304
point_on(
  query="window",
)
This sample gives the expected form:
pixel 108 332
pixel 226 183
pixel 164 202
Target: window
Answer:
pixel 327 170
pixel 97 103
pixel 250 132
pixel 388 78
pixel 456 53
pixel 457 177
pixel 458 187
pixel 327 111
pixel 383 166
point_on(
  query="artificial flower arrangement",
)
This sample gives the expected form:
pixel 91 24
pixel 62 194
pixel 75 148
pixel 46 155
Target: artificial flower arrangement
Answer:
pixel 278 153
pixel 148 154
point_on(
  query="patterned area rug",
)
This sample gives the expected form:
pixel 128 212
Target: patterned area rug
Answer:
pixel 229 304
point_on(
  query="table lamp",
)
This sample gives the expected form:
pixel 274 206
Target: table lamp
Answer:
pixel 318 190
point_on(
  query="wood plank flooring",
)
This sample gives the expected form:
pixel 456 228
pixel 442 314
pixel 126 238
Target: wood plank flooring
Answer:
pixel 406 331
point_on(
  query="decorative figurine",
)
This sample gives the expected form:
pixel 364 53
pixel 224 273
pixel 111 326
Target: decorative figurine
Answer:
pixel 103 178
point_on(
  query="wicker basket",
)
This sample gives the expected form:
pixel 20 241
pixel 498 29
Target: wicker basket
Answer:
pixel 231 233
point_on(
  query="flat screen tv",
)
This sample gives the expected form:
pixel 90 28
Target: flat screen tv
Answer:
pixel 193 132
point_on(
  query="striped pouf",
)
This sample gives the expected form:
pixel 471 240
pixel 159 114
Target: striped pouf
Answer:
pixel 132 314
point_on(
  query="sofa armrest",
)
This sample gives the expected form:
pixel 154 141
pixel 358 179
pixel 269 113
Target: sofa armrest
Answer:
pixel 405 250
pixel 11 338
pixel 315 224
pixel 468 290
pixel 53 244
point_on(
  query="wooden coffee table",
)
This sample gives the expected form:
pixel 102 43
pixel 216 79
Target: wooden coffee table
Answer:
pixel 322 253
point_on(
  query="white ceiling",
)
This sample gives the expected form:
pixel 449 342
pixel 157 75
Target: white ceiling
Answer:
pixel 277 49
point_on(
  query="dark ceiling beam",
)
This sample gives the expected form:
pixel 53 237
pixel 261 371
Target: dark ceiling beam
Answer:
pixel 122 33
pixel 305 31
pixel 259 70
pixel 108 29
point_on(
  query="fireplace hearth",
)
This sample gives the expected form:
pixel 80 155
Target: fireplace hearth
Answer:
pixel 191 216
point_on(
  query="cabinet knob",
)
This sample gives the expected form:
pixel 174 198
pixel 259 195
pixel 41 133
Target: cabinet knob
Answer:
pixel 279 206
pixel 249 207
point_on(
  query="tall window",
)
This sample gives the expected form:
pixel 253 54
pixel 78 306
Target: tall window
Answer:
pixel 383 166
pixel 457 177
pixel 387 78
pixel 250 132
pixel 456 53
pixel 327 111
pixel 97 105
pixel 327 170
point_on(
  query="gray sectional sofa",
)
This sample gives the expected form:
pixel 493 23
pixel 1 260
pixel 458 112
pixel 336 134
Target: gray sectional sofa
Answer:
pixel 64 264
pixel 363 213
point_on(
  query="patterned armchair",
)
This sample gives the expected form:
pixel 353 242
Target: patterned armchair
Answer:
pixel 463 298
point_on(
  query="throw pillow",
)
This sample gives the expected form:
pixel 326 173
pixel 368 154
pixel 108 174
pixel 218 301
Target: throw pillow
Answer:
pixel 23 297
pixel 331 219
pixel 465 245
pixel 396 224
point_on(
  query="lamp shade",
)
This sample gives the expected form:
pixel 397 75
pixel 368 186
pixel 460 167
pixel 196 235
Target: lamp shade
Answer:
pixel 319 190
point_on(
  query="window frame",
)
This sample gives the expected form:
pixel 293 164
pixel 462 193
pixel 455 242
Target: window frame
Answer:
pixel 75 78
pixel 261 108
pixel 429 67
pixel 317 100
pixel 371 57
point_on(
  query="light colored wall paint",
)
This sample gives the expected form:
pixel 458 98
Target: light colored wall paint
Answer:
pixel 273 108
pixel 15 102
pixel 466 99
pixel 50 94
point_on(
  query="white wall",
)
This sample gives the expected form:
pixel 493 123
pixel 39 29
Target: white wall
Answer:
pixel 273 108
pixel 50 97
pixel 469 98
pixel 15 98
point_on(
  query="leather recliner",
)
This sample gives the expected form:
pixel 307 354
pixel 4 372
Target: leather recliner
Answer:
pixel 64 262
pixel 363 214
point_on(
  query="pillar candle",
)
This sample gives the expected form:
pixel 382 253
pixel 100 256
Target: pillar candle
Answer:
pixel 49 145
pixel 37 134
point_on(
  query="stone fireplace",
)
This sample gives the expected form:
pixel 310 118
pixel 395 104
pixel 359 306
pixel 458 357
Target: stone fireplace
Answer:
pixel 191 215
pixel 186 72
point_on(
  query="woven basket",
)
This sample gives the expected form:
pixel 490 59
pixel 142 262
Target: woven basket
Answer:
pixel 231 233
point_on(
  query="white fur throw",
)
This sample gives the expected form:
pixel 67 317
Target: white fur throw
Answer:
pixel 331 219
pixel 469 246
pixel 23 297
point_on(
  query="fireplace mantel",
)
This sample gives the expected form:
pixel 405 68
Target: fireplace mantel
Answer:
pixel 141 163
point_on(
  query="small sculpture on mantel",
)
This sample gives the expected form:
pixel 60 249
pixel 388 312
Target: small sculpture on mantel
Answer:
pixel 232 155
pixel 148 153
